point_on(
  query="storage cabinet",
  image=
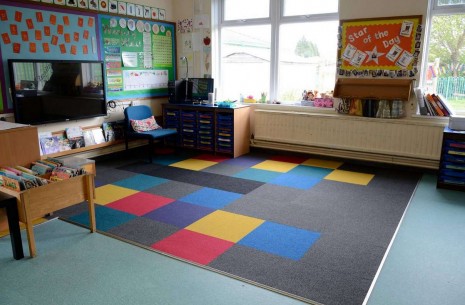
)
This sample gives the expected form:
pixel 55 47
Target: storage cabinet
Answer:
pixel 452 167
pixel 210 128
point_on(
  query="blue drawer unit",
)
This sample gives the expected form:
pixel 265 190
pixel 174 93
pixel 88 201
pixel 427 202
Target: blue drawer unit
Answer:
pixel 211 128
pixel 225 132
pixel 452 166
pixel 189 128
pixel 205 133
pixel 172 121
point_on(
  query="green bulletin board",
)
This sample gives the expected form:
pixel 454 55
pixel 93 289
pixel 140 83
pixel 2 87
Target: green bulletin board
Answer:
pixel 139 56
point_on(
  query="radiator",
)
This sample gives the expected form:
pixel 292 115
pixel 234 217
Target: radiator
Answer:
pixel 380 140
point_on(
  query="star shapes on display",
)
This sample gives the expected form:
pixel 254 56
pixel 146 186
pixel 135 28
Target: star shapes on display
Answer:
pixel 374 55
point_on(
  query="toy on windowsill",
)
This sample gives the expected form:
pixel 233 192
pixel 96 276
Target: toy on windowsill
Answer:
pixel 249 99
pixel 313 98
pixel 309 95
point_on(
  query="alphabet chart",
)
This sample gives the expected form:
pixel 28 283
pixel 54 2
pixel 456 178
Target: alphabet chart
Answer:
pixel 384 47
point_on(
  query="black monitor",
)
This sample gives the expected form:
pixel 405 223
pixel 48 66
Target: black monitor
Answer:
pixel 199 88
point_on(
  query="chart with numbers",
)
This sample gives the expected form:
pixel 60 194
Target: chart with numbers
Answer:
pixel 162 51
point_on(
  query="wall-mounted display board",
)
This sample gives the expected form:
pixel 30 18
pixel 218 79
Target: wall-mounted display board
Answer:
pixel 139 55
pixel 28 32
pixel 138 48
pixel 381 47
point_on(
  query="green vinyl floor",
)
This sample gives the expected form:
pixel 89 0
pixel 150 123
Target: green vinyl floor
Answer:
pixel 424 266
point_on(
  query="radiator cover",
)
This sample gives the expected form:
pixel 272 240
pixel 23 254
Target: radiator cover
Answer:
pixel 381 140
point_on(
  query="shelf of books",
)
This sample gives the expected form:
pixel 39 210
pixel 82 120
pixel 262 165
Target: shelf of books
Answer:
pixel 431 104
pixel 75 140
pixel 44 187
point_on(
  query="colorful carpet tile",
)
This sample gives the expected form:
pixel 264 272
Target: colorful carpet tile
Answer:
pixel 313 228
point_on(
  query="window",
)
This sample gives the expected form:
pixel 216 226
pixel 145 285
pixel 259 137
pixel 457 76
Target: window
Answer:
pixel 445 64
pixel 276 48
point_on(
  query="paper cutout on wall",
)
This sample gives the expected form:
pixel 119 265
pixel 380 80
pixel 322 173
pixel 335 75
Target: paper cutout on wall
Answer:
pixel 6 38
pixel 39 17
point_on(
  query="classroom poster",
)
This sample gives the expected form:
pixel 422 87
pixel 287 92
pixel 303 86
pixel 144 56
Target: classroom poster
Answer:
pixel 383 47
pixel 139 56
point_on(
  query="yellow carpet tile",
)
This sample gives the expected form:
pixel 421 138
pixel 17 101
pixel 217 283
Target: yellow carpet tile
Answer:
pixel 275 166
pixel 194 164
pixel 109 193
pixel 349 177
pixel 225 225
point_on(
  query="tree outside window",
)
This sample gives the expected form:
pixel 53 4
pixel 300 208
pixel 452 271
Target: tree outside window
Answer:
pixel 445 72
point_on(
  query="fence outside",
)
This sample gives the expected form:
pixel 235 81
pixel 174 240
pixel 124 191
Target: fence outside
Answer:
pixel 451 87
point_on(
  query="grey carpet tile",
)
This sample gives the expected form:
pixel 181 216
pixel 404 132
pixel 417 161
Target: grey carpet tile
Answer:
pixel 173 189
pixel 143 231
pixel 224 169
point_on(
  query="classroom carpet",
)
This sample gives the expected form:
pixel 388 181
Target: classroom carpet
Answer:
pixel 313 229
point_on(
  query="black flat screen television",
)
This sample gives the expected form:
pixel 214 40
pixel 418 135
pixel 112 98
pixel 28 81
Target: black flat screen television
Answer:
pixel 47 91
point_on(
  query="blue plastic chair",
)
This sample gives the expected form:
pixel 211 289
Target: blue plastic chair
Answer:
pixel 141 112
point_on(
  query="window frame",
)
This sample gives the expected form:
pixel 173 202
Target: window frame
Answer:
pixel 275 20
pixel 435 10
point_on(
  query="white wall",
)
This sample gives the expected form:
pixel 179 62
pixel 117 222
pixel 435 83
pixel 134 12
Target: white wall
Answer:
pixel 354 9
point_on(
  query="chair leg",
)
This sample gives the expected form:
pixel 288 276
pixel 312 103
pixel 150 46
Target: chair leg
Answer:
pixel 151 149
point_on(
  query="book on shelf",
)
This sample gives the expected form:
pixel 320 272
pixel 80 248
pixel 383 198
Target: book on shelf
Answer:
pixel 45 134
pixel 73 132
pixel 50 145
pixel 440 105
pixel 435 106
pixel 108 131
pixel 443 103
pixel 64 143
pixel 429 108
pixel 88 138
pixel 98 135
